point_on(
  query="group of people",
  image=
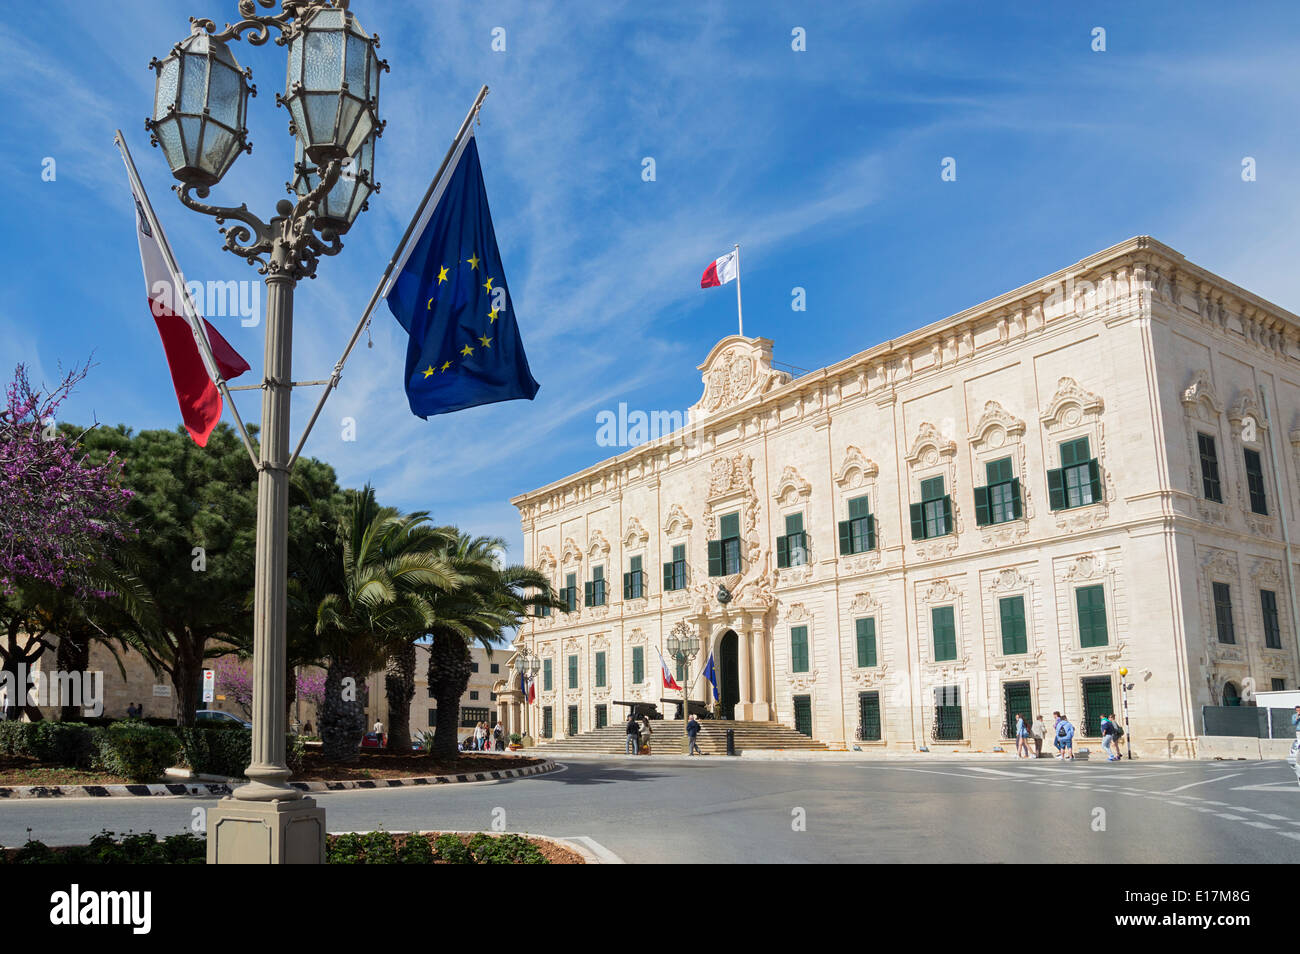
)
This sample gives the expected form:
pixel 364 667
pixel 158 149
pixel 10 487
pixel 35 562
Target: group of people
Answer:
pixel 486 739
pixel 1063 737
pixel 639 732
pixel 135 710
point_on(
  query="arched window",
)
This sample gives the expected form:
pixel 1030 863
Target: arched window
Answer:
pixel 1231 697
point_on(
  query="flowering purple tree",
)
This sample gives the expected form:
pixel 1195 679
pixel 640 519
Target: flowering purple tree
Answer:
pixel 59 511
pixel 57 508
pixel 235 682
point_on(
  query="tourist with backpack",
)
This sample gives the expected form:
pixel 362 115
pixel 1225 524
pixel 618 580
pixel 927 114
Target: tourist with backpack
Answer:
pixel 1065 739
pixel 1111 733
pixel 633 734
pixel 1056 734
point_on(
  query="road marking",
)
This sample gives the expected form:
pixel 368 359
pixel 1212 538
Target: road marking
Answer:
pixel 1202 782
pixel 1275 817
pixel 1262 825
pixel 1290 834
pixel 600 851
pixel 1269 787
pixel 1225 815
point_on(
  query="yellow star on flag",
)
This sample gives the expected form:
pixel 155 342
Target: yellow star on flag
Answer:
pixel 429 307
pixel 473 261
pixel 445 366
pixel 428 372
pixel 467 351
pixel 488 285
pixel 442 274
pixel 487 342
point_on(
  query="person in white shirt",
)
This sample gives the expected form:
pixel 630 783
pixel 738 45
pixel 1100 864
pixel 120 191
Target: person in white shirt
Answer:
pixel 379 732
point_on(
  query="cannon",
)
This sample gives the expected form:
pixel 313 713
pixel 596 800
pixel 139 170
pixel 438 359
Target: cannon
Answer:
pixel 639 709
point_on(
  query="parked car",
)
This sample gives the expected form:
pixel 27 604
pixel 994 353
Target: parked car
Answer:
pixel 370 741
pixel 216 719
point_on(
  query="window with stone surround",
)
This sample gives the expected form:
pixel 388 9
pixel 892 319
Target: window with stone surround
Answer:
pixel 865 631
pixel 724 553
pixel 1011 615
pixel 675 569
pixel 798 648
pixel 1227 633
pixel 858 533
pixel 932 517
pixel 1208 453
pixel 792 548
pixel 999 500
pixel 634 580
pixel 1272 629
pixel 944 633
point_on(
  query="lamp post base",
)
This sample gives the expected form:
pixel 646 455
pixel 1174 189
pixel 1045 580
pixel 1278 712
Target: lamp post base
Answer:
pixel 266 833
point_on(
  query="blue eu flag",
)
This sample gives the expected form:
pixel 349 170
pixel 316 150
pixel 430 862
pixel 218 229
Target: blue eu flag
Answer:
pixel 451 297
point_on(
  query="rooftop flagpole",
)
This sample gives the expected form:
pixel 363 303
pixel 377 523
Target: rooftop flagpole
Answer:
pixel 740 315
pixel 191 312
pixel 388 271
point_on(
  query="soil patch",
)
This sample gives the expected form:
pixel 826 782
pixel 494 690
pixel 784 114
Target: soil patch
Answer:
pixel 381 765
pixel 21 770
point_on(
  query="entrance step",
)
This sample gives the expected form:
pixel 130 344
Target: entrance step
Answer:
pixel 666 736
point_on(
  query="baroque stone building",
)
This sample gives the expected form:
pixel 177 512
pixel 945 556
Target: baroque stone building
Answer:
pixel 990 515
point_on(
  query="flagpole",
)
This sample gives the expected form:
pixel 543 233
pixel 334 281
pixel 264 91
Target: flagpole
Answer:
pixel 392 262
pixel 740 315
pixel 191 313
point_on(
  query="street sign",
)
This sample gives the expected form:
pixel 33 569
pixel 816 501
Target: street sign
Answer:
pixel 209 684
pixel 162 691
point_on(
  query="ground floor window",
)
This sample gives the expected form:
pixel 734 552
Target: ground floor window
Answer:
pixel 1279 685
pixel 573 720
pixel 548 725
pixel 470 716
pixel 869 717
pixel 1098 701
pixel 1016 698
pixel 947 714
pixel 803 715
pixel 602 716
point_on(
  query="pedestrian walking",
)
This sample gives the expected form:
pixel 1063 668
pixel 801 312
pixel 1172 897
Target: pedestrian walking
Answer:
pixel 1056 735
pixel 1110 735
pixel 378 730
pixel 1065 738
pixel 646 732
pixel 499 736
pixel 633 734
pixel 693 732
pixel 480 733
pixel 1022 737
pixel 1039 730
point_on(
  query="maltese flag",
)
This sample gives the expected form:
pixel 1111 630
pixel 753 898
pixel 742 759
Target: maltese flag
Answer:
pixel 669 681
pixel 721 270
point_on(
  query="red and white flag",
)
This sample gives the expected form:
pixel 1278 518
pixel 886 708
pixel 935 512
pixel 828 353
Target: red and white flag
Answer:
pixel 669 681
pixel 721 270
pixel 199 399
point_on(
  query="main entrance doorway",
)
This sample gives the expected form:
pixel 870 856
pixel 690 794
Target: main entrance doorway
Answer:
pixel 729 664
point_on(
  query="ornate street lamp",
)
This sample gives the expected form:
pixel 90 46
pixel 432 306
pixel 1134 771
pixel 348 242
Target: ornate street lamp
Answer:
pixel 684 645
pixel 332 93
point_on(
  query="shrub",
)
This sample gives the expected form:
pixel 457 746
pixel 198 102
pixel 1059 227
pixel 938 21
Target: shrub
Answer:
pixel 65 743
pixel 452 850
pixel 379 848
pixel 228 752
pixel 344 849
pixel 140 752
pixel 416 850
pixel 516 738
pixel 505 850
pixel 141 848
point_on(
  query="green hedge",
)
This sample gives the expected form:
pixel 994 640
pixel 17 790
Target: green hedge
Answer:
pixel 140 752
pixel 228 752
pixel 382 848
pixel 107 849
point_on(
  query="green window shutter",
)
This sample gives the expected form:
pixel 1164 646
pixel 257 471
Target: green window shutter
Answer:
pixel 1091 604
pixel 858 507
pixel 793 523
pixel 918 522
pixel 871 532
pixel 588 594
pixel 782 551
pixel 1017 506
pixel 798 648
pixel 635 565
pixel 638 664
pixel 1012 610
pixel 1094 476
pixel 573 672
pixel 1056 489
pixel 600 669
pixel 866 632
pixel 981 506
pixel 947 515
pixel 546 674
pixel 846 537
pixel 715 558
pixel 945 633
pixel 668 576
pixel 627 586
pixel 1074 452
pixel 729 525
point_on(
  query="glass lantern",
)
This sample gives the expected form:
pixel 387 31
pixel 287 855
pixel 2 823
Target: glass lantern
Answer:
pixel 332 85
pixel 200 104
pixel 347 199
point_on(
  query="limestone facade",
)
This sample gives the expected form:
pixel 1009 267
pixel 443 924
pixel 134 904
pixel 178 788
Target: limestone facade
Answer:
pixel 1111 403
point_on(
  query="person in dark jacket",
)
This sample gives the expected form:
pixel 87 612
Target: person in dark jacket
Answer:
pixel 633 735
pixel 693 732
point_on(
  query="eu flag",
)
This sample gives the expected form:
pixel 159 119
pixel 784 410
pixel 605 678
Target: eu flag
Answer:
pixel 451 297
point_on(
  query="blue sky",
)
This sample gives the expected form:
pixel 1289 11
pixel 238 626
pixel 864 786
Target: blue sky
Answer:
pixel 824 165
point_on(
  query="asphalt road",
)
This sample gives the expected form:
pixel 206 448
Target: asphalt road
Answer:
pixel 739 811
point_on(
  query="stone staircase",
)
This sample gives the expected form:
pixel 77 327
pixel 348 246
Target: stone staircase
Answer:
pixel 667 738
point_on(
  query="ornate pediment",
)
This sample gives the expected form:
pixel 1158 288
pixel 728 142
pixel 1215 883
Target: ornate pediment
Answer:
pixel 1246 408
pixel 791 487
pixel 546 559
pixel 1201 392
pixel 1072 404
pixel 597 546
pixel 995 426
pixel 1008 579
pixel 678 522
pixel 737 369
pixel 930 445
pixel 938 591
pixel 730 475
pixel 636 535
pixel 863 604
pixel 855 469
pixel 572 555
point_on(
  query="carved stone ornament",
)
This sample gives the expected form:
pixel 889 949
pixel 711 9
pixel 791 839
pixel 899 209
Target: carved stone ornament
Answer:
pixel 996 427
pixel 678 522
pixel 855 469
pixel 737 369
pixel 803 681
pixel 636 535
pixel 929 446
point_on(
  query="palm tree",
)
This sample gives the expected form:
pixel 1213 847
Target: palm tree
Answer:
pixel 493 600
pixel 390 566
